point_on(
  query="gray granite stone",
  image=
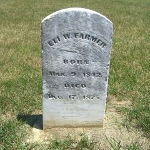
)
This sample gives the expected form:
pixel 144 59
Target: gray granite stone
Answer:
pixel 76 45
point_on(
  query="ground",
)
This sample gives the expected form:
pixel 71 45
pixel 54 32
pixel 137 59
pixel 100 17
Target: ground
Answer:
pixel 115 131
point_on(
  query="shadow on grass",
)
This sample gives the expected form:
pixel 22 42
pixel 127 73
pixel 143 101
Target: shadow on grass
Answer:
pixel 35 121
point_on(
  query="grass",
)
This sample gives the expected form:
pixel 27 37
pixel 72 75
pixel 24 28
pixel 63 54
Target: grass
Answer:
pixel 11 135
pixel 116 145
pixel 20 64
pixel 72 144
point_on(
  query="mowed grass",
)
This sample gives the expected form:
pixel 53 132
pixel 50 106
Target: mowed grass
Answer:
pixel 20 63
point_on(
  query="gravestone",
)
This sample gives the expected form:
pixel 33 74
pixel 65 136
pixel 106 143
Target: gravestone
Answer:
pixel 76 45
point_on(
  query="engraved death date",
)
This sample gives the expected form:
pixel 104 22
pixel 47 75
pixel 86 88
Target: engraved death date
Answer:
pixel 87 75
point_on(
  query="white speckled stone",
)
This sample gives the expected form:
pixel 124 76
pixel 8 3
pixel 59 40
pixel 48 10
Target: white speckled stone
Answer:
pixel 76 45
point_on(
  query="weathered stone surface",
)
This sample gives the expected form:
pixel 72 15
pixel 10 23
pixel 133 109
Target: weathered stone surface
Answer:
pixel 76 45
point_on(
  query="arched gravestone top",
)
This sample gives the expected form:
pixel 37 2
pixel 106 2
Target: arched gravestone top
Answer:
pixel 76 45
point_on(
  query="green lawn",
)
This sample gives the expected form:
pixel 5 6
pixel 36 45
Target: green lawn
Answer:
pixel 20 64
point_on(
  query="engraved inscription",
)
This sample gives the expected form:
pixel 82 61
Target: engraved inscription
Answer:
pixel 77 35
pixel 67 85
pixel 89 74
pixel 53 41
pixel 90 97
pixel 90 38
pixel 78 62
pixel 66 36
pixel 72 96
pixel 85 97
pixel 53 73
pixel 73 74
pixel 51 96
pixel 74 61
